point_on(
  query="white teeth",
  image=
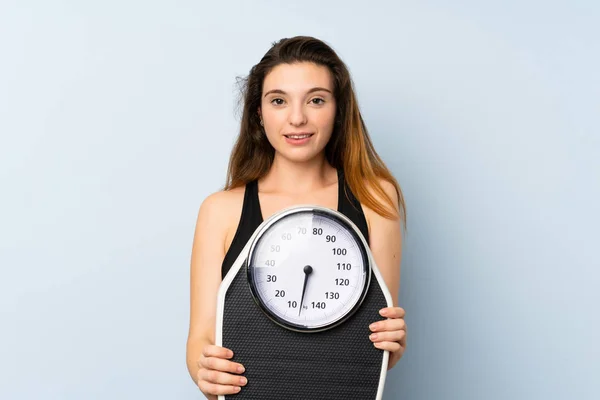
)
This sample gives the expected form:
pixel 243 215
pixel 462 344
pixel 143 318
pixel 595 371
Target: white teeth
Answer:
pixel 298 136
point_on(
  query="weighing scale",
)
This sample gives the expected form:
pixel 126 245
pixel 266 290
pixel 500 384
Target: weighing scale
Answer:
pixel 296 306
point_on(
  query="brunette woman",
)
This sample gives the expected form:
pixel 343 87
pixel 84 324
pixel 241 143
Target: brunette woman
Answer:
pixel 302 140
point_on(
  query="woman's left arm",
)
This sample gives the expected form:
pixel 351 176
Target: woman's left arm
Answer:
pixel 385 241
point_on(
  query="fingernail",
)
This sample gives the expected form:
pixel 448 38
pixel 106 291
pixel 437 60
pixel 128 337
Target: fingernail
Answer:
pixel 230 354
pixel 383 311
pixel 237 388
pixel 373 336
pixel 240 369
pixel 373 326
pixel 243 380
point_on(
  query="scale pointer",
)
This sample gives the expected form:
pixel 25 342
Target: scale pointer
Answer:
pixel 307 271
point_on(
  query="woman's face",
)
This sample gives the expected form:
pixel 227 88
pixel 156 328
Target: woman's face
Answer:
pixel 298 109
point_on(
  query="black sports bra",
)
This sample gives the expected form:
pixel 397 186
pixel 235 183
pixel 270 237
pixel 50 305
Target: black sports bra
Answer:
pixel 251 218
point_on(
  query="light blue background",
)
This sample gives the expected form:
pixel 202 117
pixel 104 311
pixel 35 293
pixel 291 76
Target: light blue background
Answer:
pixel 117 119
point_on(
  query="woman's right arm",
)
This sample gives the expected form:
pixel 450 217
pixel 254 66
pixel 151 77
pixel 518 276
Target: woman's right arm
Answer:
pixel 208 364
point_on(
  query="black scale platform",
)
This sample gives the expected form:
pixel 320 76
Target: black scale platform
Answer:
pixel 337 364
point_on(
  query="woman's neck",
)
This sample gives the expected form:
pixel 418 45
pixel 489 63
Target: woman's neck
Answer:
pixel 291 177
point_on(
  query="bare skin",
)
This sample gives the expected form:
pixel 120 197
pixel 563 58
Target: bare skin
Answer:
pixel 294 102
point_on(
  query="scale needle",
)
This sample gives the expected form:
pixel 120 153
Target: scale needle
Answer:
pixel 307 271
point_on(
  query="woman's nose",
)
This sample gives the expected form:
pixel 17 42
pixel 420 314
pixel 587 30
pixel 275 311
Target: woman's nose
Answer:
pixel 297 116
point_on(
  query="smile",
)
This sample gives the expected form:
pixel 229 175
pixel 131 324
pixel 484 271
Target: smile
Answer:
pixel 302 136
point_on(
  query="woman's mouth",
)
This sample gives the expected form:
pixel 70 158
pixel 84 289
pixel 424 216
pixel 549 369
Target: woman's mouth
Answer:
pixel 299 138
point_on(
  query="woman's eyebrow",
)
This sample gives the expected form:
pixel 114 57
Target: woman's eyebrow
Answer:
pixel 315 89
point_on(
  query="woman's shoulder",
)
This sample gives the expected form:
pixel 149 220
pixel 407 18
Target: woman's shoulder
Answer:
pixel 223 202
pixel 373 218
pixel 388 188
pixel 220 211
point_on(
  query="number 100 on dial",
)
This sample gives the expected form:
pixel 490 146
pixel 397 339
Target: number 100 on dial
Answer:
pixel 308 269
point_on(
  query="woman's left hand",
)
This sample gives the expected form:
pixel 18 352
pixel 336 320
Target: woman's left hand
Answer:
pixel 390 334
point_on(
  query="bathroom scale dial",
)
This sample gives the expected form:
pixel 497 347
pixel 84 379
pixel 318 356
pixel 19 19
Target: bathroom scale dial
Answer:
pixel 308 269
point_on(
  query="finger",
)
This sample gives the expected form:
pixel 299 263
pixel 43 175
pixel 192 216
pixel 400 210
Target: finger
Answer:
pixel 216 351
pixel 392 336
pixel 215 389
pixel 389 346
pixel 218 364
pixel 221 378
pixel 388 325
pixel 393 312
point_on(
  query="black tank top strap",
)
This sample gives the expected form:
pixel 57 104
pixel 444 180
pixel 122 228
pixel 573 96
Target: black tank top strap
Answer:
pixel 250 219
pixel 349 205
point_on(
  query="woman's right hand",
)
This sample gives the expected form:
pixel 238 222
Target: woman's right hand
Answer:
pixel 217 375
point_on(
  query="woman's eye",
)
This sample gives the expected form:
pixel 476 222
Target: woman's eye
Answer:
pixel 318 101
pixel 277 102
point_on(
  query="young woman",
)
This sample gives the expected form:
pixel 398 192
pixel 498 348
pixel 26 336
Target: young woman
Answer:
pixel 302 141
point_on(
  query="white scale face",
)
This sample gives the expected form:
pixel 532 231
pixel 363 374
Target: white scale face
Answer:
pixel 308 270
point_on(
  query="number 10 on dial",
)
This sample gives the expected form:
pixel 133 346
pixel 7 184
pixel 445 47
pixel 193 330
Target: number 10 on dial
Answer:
pixel 308 269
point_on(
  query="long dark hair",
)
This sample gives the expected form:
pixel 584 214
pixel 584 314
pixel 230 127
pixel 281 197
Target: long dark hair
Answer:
pixel 350 146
